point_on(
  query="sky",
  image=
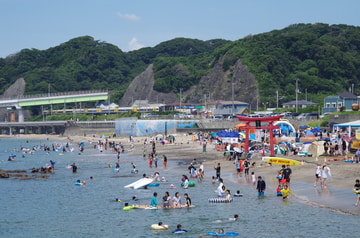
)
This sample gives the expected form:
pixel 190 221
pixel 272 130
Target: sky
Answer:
pixel 133 24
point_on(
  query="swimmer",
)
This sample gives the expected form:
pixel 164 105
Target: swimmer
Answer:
pixel 238 194
pixel 235 218
pixel 135 198
pixel 179 229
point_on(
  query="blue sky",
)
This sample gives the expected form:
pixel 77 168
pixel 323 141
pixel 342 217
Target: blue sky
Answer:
pixel 133 24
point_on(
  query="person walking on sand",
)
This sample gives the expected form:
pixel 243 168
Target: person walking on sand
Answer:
pixel 261 186
pixel 317 175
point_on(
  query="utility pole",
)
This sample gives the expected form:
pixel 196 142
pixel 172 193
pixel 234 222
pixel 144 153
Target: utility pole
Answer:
pixel 277 99
pixel 232 97
pixel 296 94
pixel 180 98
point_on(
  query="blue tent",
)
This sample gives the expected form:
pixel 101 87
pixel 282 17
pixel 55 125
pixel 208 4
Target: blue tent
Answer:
pixel 228 134
pixel 316 130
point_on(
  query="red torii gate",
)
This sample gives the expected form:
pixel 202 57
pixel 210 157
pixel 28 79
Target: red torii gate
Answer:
pixel 258 121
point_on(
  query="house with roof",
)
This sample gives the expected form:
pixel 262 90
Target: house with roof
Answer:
pixel 334 103
pixel 299 103
pixel 228 108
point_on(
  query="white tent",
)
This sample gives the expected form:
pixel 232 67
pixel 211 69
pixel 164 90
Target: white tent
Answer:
pixel 350 125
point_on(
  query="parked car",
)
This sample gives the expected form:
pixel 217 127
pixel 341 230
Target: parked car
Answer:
pixel 311 115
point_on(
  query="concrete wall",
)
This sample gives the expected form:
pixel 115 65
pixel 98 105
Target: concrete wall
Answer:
pixel 336 119
pixel 135 127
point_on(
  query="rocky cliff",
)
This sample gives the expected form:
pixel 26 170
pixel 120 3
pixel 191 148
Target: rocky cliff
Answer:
pixel 218 84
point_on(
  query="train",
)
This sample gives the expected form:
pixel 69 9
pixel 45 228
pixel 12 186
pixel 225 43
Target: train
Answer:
pixel 99 111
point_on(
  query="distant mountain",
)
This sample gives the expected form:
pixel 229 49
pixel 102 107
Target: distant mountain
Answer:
pixel 325 59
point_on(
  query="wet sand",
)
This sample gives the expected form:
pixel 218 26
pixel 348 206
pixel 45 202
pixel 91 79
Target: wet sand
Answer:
pixel 337 196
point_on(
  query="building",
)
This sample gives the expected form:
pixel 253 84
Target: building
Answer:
pixel 186 108
pixel 227 108
pixel 299 103
pixel 334 103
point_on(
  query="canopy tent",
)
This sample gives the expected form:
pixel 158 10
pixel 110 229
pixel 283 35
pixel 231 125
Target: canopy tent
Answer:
pixel 316 130
pixel 286 128
pixel 227 134
pixel 349 125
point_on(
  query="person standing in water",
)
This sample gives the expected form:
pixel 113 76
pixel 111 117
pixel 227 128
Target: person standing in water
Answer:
pixel 261 186
pixel 356 190
pixel 165 160
pixel 74 167
pixel 218 169
pixel 154 202
pixel 317 175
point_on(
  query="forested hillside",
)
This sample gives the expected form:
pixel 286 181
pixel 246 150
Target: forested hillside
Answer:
pixel 325 59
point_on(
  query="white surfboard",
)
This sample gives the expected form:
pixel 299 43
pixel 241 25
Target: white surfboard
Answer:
pixel 139 183
pixel 143 183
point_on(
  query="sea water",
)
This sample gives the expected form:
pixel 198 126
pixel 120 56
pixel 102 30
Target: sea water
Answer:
pixel 55 207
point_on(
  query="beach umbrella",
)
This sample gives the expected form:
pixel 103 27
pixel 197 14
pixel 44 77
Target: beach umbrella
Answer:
pixel 278 150
pixel 159 135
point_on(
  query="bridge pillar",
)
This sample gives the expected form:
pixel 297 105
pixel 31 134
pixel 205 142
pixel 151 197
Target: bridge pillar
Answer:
pixel 10 131
pixel 21 115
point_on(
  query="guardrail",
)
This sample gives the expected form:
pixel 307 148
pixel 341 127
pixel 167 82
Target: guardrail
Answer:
pixel 58 94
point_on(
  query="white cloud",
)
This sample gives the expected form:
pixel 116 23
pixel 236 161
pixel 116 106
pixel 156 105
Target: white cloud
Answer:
pixel 134 44
pixel 129 17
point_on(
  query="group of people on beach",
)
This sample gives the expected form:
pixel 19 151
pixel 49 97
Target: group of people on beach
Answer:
pixel 284 176
pixel 322 173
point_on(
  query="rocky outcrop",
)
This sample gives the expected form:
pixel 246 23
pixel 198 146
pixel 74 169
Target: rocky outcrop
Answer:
pixel 218 84
pixel 15 90
pixel 21 174
pixel 3 174
pixel 141 88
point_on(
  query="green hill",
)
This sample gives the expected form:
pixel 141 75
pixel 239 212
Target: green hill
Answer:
pixel 324 57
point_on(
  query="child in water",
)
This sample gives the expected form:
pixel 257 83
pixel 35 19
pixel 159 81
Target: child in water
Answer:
pixel 285 192
pixel 253 178
pixel 278 191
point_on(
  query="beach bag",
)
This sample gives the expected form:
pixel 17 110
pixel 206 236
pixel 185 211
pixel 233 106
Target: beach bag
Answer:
pixel 283 180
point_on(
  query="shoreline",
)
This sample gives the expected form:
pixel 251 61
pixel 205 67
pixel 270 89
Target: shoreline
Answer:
pixel 339 186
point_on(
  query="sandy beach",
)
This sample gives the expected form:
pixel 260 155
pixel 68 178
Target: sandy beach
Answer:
pixel 343 174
